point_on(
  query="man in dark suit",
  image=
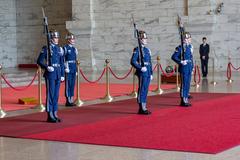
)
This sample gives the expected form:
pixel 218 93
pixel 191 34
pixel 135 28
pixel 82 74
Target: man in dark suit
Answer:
pixel 204 56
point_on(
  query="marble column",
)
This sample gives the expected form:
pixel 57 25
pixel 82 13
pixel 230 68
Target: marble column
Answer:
pixel 81 26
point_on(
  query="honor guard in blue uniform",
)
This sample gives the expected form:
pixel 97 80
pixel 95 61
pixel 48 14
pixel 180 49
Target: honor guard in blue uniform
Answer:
pixel 53 65
pixel 143 72
pixel 185 62
pixel 70 58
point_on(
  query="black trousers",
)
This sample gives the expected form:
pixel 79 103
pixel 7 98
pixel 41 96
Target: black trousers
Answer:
pixel 204 67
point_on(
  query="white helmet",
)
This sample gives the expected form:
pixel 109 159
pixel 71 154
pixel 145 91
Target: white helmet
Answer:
pixel 54 34
pixel 70 36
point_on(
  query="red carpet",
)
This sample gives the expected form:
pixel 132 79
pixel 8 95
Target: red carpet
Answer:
pixel 212 125
pixel 87 92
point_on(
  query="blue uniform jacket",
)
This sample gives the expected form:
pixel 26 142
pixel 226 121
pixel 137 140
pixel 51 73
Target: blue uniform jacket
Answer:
pixel 176 57
pixel 135 61
pixel 55 60
pixel 70 54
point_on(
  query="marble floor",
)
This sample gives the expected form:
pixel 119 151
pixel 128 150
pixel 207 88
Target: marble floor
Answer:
pixel 26 149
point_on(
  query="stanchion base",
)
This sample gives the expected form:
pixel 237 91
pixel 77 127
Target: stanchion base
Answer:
pixel 41 107
pixel 178 89
pixel 78 102
pixel 158 91
pixel 133 94
pixel 107 98
pixel 2 113
pixel 197 85
pixel 214 83
pixel 229 80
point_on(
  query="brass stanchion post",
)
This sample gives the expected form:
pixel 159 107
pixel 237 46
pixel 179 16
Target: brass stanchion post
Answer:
pixel 2 113
pixel 158 90
pixel 213 70
pixel 134 92
pixel 177 80
pixel 40 104
pixel 78 101
pixel 107 97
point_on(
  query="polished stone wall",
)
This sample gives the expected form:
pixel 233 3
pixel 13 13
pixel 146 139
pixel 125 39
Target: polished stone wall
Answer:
pixel 8 51
pixel 104 29
pixel 29 20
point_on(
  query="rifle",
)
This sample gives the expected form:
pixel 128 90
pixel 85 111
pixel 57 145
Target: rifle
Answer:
pixel 47 33
pixel 136 35
pixel 181 30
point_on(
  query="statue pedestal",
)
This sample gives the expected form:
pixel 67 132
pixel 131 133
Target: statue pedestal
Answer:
pixel 172 79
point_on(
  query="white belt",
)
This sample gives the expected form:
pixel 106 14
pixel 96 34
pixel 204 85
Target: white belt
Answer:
pixel 72 61
pixel 56 65
pixel 146 63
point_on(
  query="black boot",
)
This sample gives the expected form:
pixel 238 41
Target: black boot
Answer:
pixel 140 108
pixel 190 96
pixel 56 117
pixel 68 102
pixel 184 102
pixel 72 101
pixel 143 112
pixel 146 112
pixel 51 118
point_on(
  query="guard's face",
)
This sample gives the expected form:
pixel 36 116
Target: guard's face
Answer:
pixel 188 40
pixel 55 40
pixel 144 41
pixel 71 41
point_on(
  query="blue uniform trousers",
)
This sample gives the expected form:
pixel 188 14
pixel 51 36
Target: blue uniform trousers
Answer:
pixel 204 67
pixel 69 84
pixel 52 94
pixel 185 82
pixel 143 84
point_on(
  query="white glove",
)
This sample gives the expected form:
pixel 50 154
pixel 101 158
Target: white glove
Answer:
pixel 151 77
pixel 67 70
pixel 144 69
pixel 62 79
pixel 50 69
pixel 184 62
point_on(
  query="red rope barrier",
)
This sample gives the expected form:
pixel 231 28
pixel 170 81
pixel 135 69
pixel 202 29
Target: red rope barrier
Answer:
pixel 166 74
pixel 155 67
pixel 194 76
pixel 229 71
pixel 196 70
pixel 120 78
pixel 234 67
pixel 95 80
pixel 19 89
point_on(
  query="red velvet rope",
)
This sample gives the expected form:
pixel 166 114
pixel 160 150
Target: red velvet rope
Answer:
pixel 120 78
pixel 234 67
pixel 95 80
pixel 229 71
pixel 196 70
pixel 155 67
pixel 19 89
pixel 167 74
